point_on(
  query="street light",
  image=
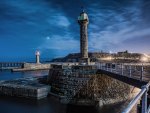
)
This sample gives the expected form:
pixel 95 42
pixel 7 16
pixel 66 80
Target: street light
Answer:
pixel 144 59
pixel 109 58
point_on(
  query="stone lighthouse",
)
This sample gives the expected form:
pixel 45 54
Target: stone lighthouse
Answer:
pixel 83 22
pixel 37 54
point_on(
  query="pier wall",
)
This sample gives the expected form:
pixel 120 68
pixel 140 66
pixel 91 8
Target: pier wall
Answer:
pixel 36 66
pixel 109 90
pixel 25 87
pixel 81 85
pixel 33 66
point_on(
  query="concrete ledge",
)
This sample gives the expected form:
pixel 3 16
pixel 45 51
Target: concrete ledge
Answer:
pixel 25 87
pixel 32 67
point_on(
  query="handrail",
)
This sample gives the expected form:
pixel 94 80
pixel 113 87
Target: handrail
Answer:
pixel 134 101
pixel 148 110
pixel 142 94
pixel 124 69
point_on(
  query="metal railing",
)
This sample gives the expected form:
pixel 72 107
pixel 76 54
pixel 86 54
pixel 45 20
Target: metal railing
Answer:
pixel 141 95
pixel 136 71
pixel 10 65
pixel 131 70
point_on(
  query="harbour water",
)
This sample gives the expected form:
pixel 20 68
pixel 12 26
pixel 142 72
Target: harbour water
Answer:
pixel 47 105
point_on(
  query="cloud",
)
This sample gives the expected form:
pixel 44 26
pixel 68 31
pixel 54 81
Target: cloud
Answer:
pixel 109 39
pixel 110 27
pixel 59 20
pixel 58 42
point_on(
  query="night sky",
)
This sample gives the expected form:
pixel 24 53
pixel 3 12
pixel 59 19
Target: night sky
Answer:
pixel 51 26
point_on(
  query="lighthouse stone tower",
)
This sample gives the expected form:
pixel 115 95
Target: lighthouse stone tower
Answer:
pixel 83 22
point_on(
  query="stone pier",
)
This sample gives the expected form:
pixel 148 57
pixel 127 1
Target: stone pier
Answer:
pixel 33 66
pixel 81 85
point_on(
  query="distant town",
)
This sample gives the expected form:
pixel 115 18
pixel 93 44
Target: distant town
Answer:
pixel 123 56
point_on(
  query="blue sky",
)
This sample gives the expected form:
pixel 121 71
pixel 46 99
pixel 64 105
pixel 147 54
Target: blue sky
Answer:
pixel 51 26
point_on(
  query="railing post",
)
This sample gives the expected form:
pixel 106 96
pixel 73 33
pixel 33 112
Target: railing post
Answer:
pixel 100 65
pixel 106 67
pixel 116 67
pixel 135 68
pixel 130 70
pixel 144 101
pixel 111 67
pixel 121 69
pixel 141 77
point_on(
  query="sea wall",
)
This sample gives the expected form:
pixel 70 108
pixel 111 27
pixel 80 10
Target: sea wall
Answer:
pixel 33 66
pixel 36 66
pixel 110 90
pixel 81 85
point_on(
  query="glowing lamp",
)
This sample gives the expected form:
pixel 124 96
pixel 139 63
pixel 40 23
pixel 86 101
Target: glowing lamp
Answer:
pixel 37 53
pixel 144 59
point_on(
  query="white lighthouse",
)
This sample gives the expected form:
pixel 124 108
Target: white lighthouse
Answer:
pixel 37 54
